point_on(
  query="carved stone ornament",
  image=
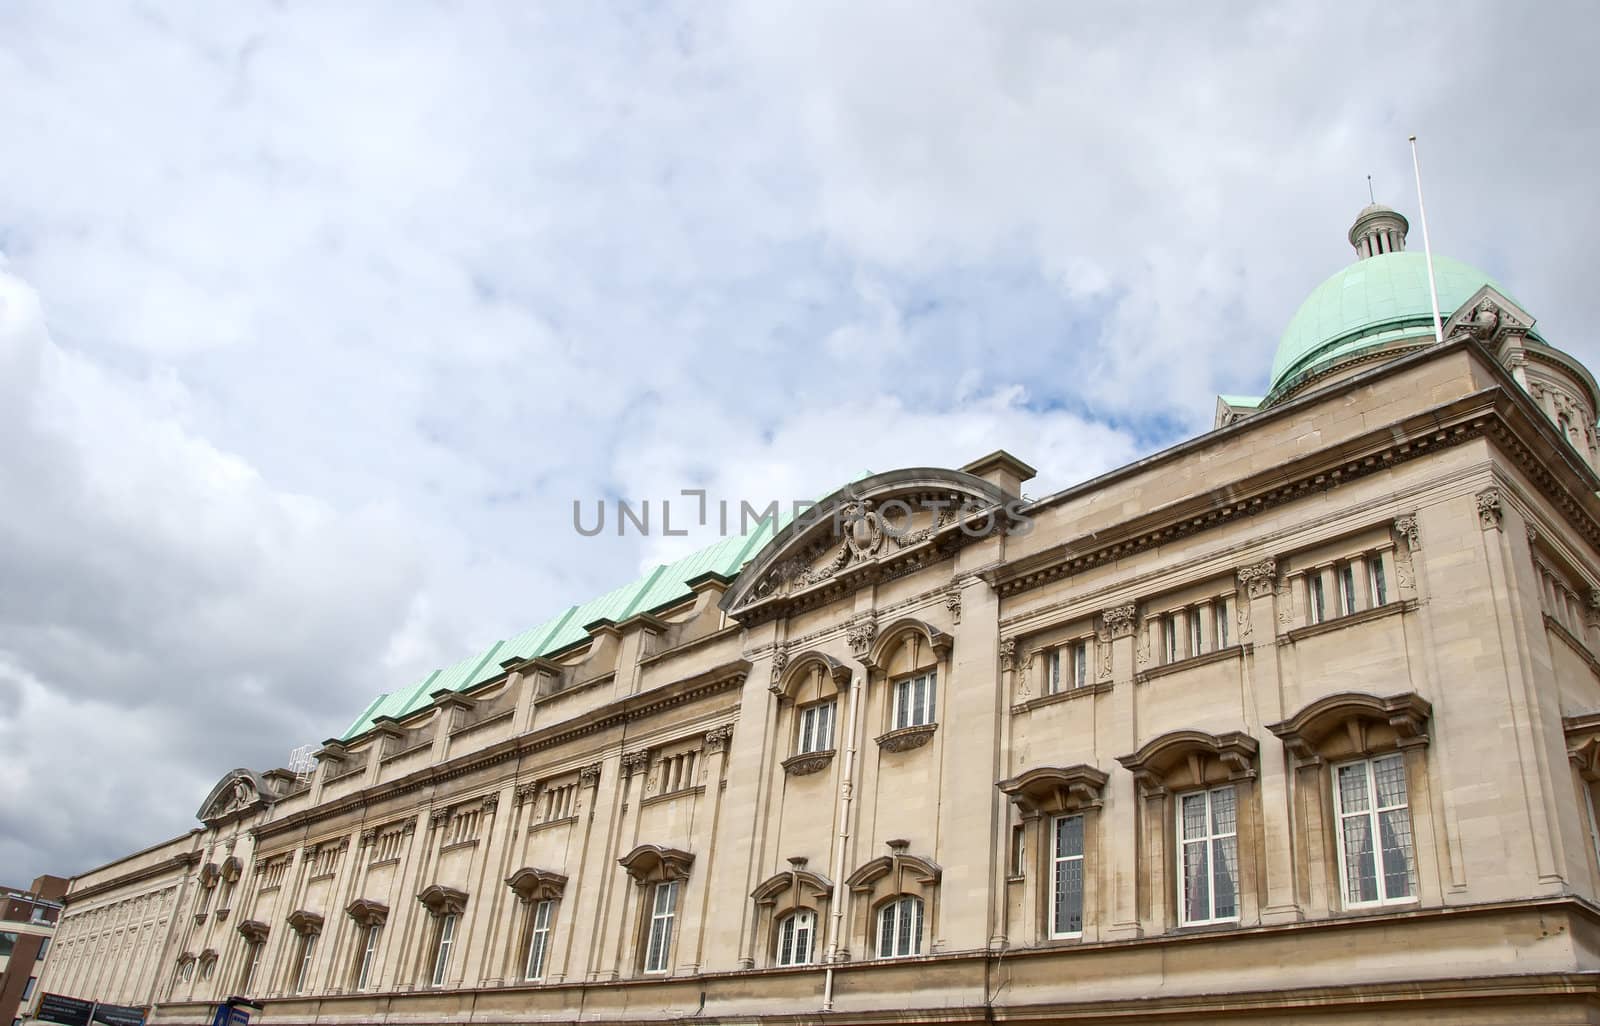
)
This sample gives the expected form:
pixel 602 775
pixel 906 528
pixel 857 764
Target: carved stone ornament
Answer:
pixel 1533 533
pixel 306 924
pixel 589 776
pixel 780 662
pixel 438 818
pixel 717 738
pixel 651 863
pixel 491 802
pixel 1055 789
pixel 1119 620
pixel 907 738
pixel 952 602
pixel 808 763
pixel 367 912
pixel 527 792
pixel 1490 511
pixel 1406 527
pixel 253 930
pixel 863 531
pixel 633 762
pixel 1259 578
pixel 1008 653
pixel 860 635
pixel 531 884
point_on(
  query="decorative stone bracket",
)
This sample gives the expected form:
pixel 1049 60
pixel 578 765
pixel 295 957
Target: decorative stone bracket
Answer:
pixel 1055 789
pixel 651 863
pixel 443 901
pixel 533 885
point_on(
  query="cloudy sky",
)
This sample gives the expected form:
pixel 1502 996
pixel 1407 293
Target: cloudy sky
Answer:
pixel 315 319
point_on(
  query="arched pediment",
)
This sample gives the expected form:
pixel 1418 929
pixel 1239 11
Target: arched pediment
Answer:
pixel 807 887
pixel 186 958
pixel 866 529
pixel 807 666
pixel 209 874
pixel 208 955
pixel 443 901
pixel 240 791
pixel 900 866
pixel 1192 758
pixel 367 912
pixel 307 924
pixel 1054 789
pixel 536 884
pixel 1342 724
pixel 918 632
pixel 231 868
pixel 254 931
pixel 651 863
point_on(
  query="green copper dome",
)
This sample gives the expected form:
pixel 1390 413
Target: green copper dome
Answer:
pixel 1372 302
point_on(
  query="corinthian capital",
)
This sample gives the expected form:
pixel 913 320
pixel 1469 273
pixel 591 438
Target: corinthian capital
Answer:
pixel 1259 578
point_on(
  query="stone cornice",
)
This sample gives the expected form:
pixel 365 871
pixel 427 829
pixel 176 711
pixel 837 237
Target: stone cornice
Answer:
pixel 175 864
pixel 1495 414
pixel 726 677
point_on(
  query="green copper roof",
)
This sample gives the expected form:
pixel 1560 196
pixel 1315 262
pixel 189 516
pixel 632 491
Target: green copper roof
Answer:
pixel 663 586
pixel 1370 302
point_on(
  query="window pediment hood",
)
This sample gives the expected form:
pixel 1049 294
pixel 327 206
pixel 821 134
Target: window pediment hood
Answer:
pixel 801 668
pixel 254 931
pixel 651 863
pixel 367 912
pixel 536 884
pixel 1190 758
pixel 1052 789
pixel 904 867
pixel 442 900
pixel 868 528
pixel 307 924
pixel 805 884
pixel 1350 713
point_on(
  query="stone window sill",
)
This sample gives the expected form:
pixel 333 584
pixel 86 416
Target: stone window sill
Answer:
pixel 1204 659
pixel 458 845
pixel 549 823
pixel 1098 688
pixel 392 860
pixel 907 738
pixel 682 792
pixel 1348 620
pixel 807 763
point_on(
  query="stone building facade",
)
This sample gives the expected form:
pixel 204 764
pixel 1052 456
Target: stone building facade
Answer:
pixel 1296 721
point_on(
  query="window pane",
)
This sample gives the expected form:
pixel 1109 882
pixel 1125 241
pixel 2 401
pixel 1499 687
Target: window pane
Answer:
pixel 1380 588
pixel 1069 836
pixel 902 703
pixel 1223 811
pixel 1360 873
pixel 1196 875
pixel 1194 816
pixel 1394 832
pixel 886 930
pixel 1389 777
pixel 1353 788
pixel 1225 878
pixel 904 944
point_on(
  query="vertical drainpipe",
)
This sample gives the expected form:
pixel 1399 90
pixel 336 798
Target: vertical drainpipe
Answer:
pixel 846 796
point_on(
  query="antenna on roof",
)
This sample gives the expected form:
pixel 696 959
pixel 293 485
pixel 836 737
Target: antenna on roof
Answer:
pixel 1427 250
pixel 1371 198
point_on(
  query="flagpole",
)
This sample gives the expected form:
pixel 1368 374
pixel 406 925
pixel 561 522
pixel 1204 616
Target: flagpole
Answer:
pixel 1427 250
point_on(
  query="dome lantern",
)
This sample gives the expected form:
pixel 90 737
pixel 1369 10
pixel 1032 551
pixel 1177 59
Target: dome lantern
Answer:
pixel 1378 230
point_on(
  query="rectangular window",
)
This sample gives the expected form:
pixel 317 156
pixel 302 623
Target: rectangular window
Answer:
pixel 539 938
pixel 1066 918
pixel 1019 835
pixel 1221 607
pixel 1347 588
pixel 252 963
pixel 1080 664
pixel 27 988
pixel 1197 643
pixel 1052 672
pixel 44 945
pixel 914 700
pixel 816 728
pixel 8 940
pixel 1380 587
pixel 1375 832
pixel 1317 608
pixel 308 946
pixel 441 952
pixel 663 909
pixel 1208 856
pixel 1169 638
pixel 369 956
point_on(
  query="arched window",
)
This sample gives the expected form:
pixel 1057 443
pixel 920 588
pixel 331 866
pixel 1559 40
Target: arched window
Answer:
pixel 797 933
pixel 900 927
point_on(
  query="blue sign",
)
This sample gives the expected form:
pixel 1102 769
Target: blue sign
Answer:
pixel 227 1015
